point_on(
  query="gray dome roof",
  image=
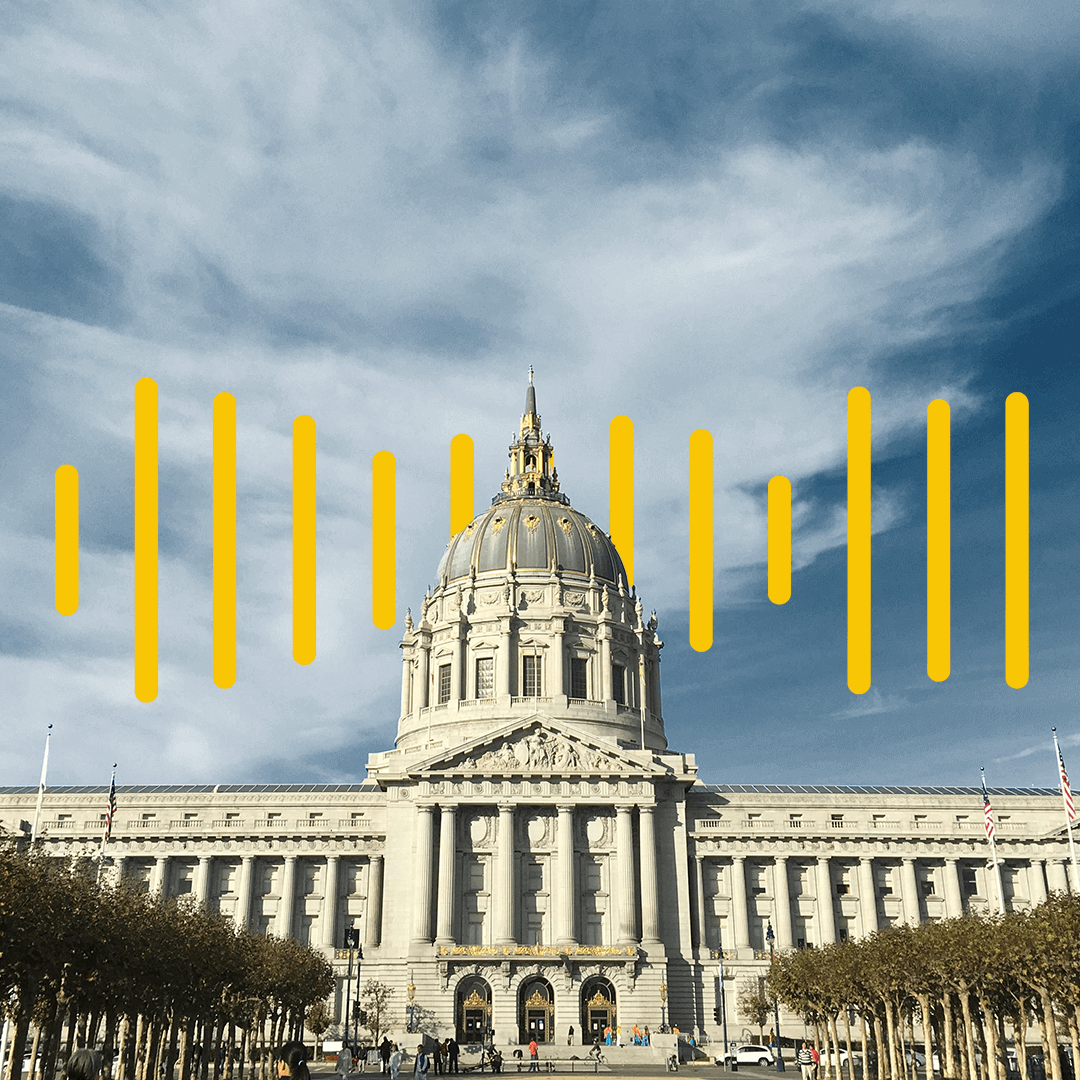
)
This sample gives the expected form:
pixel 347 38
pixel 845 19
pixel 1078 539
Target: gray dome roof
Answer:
pixel 531 534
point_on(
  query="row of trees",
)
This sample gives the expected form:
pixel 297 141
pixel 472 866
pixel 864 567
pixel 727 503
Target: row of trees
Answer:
pixel 169 984
pixel 961 982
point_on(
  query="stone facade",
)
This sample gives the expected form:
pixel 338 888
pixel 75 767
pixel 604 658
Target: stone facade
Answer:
pixel 531 855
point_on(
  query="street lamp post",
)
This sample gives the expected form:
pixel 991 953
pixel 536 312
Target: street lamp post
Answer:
pixel 723 1002
pixel 770 939
pixel 356 1004
pixel 663 1006
pixel 352 940
pixel 411 991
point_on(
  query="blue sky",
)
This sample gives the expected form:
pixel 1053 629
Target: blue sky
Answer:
pixel 700 215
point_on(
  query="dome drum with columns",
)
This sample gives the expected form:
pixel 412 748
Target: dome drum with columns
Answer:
pixel 531 855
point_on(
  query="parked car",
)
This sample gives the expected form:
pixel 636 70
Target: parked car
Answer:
pixel 747 1054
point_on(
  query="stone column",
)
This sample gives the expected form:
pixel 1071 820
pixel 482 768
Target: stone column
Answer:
pixel 504 661
pixel 406 685
pixel 909 890
pixel 625 898
pixel 457 666
pixel 555 682
pixel 867 896
pixel 1036 881
pixel 738 903
pixel 118 867
pixel 699 880
pixel 954 902
pixel 650 912
pixel 242 917
pixel 202 879
pixel 444 931
pixel 565 895
pixel 826 917
pixel 423 680
pixel 373 922
pixel 1057 875
pixel 159 873
pixel 422 893
pixel 503 892
pixel 783 903
pixel 287 904
pixel 605 664
pixel 328 920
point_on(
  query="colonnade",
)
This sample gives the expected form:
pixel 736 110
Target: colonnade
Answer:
pixel 284 920
pixel 1041 874
pixel 504 893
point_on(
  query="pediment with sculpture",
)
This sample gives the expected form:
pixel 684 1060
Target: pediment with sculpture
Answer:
pixel 537 748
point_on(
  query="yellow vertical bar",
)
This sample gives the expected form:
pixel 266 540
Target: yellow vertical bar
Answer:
pixel 462 506
pixel 938 541
pixel 779 539
pixel 701 540
pixel 303 465
pixel 224 540
pixel 66 554
pixel 1016 541
pixel 383 540
pixel 621 490
pixel 858 540
pixel 146 539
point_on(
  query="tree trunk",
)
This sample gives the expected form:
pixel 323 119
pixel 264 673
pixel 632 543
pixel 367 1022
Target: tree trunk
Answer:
pixel 969 1035
pixel 185 1048
pixel 1020 1039
pixel 1074 1040
pixel 22 1029
pixel 34 1052
pixel 992 1058
pixel 847 1040
pixel 865 1048
pixel 890 1025
pixel 1051 1033
pixel 948 1058
pixel 882 1058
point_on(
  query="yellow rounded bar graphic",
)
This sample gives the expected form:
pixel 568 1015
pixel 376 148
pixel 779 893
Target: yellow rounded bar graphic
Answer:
pixel 224 526
pixel 146 540
pixel 66 553
pixel 461 483
pixel 303 568
pixel 1016 541
pixel 621 491
pixel 938 541
pixel 779 539
pixel 858 540
pixel 701 540
pixel 383 540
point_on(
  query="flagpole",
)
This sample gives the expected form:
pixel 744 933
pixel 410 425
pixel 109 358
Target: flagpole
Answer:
pixel 993 851
pixel 41 787
pixel 106 832
pixel 1066 801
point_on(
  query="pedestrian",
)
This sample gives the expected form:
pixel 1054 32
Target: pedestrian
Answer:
pixel 83 1065
pixel 646 1037
pixel 570 1036
pixel 344 1060
pixel 534 1056
pixel 806 1062
pixel 436 1057
pixel 395 1062
pixel 618 1035
pixel 816 1056
pixel 384 1054
pixel 421 1065
pixel 453 1051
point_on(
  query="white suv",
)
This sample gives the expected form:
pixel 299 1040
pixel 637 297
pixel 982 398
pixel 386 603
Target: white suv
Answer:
pixel 747 1054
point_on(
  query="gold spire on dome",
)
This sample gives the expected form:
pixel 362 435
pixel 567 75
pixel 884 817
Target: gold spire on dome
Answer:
pixel 532 458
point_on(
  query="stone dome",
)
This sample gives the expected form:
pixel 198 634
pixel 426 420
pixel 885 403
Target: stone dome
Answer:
pixel 530 534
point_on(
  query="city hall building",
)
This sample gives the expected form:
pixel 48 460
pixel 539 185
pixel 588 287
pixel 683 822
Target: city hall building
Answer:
pixel 532 855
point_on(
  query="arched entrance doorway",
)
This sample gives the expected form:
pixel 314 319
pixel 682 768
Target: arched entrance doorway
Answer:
pixel 472 1009
pixel 597 1008
pixel 536 1011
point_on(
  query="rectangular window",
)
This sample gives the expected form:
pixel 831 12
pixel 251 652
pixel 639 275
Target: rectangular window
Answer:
pixel 842 888
pixel 968 882
pixel 530 670
pixel 485 677
pixel 928 888
pixel 579 678
pixel 444 683
pixel 618 683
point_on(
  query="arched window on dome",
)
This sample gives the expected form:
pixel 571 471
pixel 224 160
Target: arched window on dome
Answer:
pixel 530 462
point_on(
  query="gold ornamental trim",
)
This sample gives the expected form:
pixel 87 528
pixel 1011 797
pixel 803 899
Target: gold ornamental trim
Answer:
pixel 537 1002
pixel 475 1001
pixel 599 1001
pixel 538 950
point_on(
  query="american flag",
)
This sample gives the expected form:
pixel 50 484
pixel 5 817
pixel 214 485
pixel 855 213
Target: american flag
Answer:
pixel 110 810
pixel 988 813
pixel 1066 793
